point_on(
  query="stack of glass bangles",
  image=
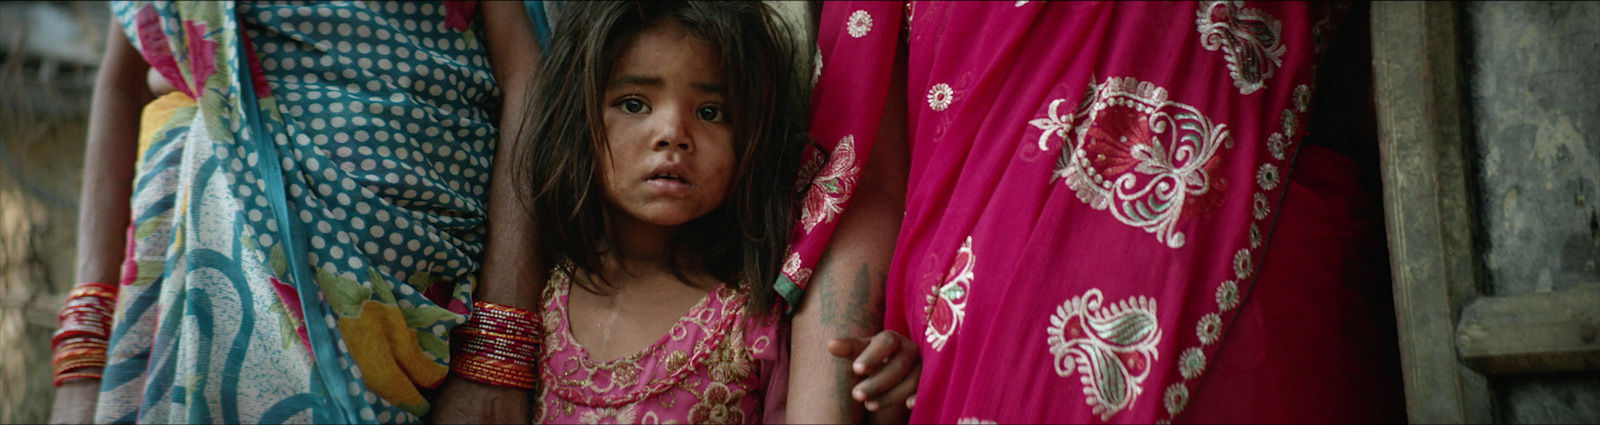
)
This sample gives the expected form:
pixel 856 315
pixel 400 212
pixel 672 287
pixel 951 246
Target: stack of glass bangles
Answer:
pixel 498 346
pixel 85 322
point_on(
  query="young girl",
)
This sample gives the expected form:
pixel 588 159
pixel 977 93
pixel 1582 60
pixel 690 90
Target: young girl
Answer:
pixel 664 150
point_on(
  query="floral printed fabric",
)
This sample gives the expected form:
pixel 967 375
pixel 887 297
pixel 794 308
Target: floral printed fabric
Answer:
pixel 306 229
pixel 1090 185
pixel 833 170
pixel 718 364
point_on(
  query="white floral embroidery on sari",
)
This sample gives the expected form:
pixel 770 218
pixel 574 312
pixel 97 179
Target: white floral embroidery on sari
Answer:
pixel 1131 151
pixel 947 305
pixel 1249 40
pixel 1111 348
pixel 833 186
pixel 797 274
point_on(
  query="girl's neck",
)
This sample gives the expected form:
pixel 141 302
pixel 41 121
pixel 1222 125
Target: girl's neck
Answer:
pixel 637 250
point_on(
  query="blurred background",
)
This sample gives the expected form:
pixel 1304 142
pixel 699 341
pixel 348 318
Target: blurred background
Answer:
pixel 48 55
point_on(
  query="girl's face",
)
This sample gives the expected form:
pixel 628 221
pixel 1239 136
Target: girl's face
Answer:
pixel 671 150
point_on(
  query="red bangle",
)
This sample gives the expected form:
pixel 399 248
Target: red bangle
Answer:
pixel 79 375
pixel 498 345
pixel 85 324
pixel 493 334
pixel 481 367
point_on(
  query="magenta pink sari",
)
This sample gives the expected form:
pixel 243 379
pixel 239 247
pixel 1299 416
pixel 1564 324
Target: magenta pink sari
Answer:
pixel 1092 188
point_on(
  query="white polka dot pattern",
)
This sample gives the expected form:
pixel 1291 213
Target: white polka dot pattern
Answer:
pixel 385 123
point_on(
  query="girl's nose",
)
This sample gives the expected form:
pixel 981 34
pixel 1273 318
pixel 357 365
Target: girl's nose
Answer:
pixel 674 132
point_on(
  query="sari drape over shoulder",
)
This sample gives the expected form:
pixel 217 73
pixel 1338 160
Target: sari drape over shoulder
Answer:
pixel 308 210
pixel 1093 189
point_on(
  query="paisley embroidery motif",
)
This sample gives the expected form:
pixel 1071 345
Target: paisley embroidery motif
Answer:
pixel 1130 150
pixel 1249 40
pixel 832 186
pixel 947 305
pixel 1111 348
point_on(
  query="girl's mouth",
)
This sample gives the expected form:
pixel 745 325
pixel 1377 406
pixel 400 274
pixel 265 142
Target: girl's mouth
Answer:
pixel 668 184
pixel 669 173
pixel 669 176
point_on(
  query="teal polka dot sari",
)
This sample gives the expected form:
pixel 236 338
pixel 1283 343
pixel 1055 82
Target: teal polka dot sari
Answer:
pixel 308 218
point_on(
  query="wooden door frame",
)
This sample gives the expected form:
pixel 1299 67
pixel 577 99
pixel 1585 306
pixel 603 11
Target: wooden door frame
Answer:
pixel 1453 334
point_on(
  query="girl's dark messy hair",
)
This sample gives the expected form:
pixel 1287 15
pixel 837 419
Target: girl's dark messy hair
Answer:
pixel 563 138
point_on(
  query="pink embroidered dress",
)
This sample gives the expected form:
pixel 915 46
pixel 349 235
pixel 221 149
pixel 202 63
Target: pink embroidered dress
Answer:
pixel 1108 214
pixel 718 364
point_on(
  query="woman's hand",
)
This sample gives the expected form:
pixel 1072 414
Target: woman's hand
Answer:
pixel 891 365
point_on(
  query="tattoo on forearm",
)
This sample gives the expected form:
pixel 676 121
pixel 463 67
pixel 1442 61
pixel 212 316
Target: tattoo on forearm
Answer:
pixel 848 312
pixel 861 309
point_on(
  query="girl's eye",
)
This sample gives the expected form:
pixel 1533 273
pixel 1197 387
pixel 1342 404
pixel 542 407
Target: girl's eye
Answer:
pixel 634 106
pixel 709 113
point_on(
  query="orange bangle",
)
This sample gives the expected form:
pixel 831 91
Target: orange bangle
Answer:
pixel 81 364
pixel 489 371
pixel 488 376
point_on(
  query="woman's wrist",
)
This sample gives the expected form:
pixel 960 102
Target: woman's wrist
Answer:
pixel 79 345
pixel 499 345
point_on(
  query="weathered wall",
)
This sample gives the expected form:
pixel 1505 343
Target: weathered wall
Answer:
pixel 1533 77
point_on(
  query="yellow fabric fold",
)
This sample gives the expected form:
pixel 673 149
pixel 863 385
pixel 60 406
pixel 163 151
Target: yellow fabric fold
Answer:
pixel 155 116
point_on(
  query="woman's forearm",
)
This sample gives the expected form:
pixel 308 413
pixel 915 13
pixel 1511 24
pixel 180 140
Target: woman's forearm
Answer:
pixel 845 297
pixel 103 207
pixel 511 274
pixel 108 161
